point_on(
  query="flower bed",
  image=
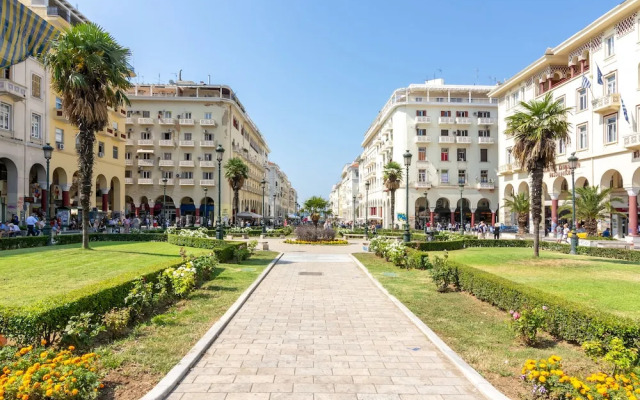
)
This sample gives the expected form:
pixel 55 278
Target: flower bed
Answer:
pixel 223 249
pixel 326 242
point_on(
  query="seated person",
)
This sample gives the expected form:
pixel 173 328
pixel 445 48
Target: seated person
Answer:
pixel 606 233
pixel 4 230
pixel 15 230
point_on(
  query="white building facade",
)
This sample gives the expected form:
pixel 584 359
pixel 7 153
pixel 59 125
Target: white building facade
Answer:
pixel 605 139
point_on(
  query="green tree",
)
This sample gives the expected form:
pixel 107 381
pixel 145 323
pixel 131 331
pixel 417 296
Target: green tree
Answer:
pixel 536 131
pixel 315 205
pixel 89 70
pixel 592 204
pixel 392 176
pixel 236 172
pixel 520 205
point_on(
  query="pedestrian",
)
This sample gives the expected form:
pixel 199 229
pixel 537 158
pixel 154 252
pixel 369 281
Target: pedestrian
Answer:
pixel 559 233
pixel 565 233
pixel 496 231
pixel 31 225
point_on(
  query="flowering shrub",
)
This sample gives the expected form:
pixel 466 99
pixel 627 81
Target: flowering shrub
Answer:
pixel 194 233
pixel 38 374
pixel 251 246
pixel 295 241
pixel 613 354
pixel 378 245
pixel 311 234
pixel 395 252
pixel 527 323
pixel 81 330
pixel 444 274
pixel 549 381
pixel 182 279
pixel 238 229
pixel 140 297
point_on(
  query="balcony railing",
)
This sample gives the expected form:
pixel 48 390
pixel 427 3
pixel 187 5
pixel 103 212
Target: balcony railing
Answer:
pixel 446 120
pixel 145 181
pixel 423 120
pixel 485 185
pixel 129 121
pixel 184 182
pixel 208 122
pixel 187 143
pixel 508 168
pixel 145 163
pixel 187 163
pixel 487 121
pixel 423 185
pixel 463 121
pixel 186 121
pixel 207 143
pixel 632 141
pixel 169 182
pixel 129 142
pixel 207 182
pixel 207 164
pixel 422 139
pixel 446 139
pixel 13 90
pixel 128 181
pixel 485 140
pixel 145 142
pixel 145 121
pixel 165 143
pixel 128 163
pixel 166 163
pixel 167 121
pixel 607 104
pixel 463 139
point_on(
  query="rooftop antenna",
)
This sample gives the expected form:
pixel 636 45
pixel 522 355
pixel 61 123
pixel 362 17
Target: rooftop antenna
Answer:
pixel 159 81
pixel 180 75
pixel 209 79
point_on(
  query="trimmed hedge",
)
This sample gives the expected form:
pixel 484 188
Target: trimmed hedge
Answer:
pixel 417 259
pixel 222 249
pixel 23 242
pixel 39 241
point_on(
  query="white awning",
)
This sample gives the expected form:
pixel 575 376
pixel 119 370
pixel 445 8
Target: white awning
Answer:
pixel 144 151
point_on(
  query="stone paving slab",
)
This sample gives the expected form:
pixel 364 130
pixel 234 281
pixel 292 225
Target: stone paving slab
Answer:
pixel 326 336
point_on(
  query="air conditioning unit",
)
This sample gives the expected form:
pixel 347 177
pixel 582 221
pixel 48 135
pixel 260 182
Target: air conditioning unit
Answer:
pixel 129 130
pixel 60 146
pixel 147 129
pixel 101 154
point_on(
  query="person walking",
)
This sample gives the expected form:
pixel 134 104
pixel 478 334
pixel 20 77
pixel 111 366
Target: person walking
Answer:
pixel 31 225
pixel 565 233
pixel 559 233
pixel 496 231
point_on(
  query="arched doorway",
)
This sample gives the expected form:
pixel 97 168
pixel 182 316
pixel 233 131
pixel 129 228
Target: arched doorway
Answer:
pixel 466 212
pixel 144 211
pixel 483 211
pixel 442 212
pixel 207 211
pixel 37 189
pixel 617 223
pixel 187 211
pixel 129 206
pixel 114 196
pixel 421 212
pixel 8 189
pixel 101 194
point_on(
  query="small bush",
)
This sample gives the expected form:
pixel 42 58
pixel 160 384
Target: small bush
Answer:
pixel 527 322
pixel 251 246
pixel 240 254
pixel 309 233
pixel 182 279
pixel 140 297
pixel 444 274
pixel 81 330
pixel 116 321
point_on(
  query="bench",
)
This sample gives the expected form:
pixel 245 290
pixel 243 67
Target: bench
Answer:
pixel 614 245
pixel 353 235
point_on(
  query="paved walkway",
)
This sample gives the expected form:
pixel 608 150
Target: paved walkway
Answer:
pixel 317 329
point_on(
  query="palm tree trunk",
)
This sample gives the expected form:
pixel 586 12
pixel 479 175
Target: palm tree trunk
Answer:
pixel 393 206
pixel 85 166
pixel 536 205
pixel 235 204
pixel 591 226
pixel 522 222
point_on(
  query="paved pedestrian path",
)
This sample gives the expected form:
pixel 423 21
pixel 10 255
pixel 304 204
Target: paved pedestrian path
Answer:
pixel 318 329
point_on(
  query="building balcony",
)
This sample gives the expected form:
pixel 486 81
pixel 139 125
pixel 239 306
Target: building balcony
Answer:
pixel 487 121
pixel 129 142
pixel 145 163
pixel 187 163
pixel 208 122
pixel 446 139
pixel 463 121
pixel 207 143
pixel 145 142
pixel 485 186
pixel 186 121
pixel 167 121
pixel 187 143
pixel 486 140
pixel 187 182
pixel 607 104
pixel 207 164
pixel 632 141
pixel 145 121
pixel 207 182
pixel 13 90
pixel 446 120
pixel 508 168
pixel 145 181
pixel 166 163
pixel 129 121
pixel 169 182
pixel 423 120
pixel 128 163
pixel 165 143
pixel 422 185
pixel 128 181
pixel 422 139
pixel 463 140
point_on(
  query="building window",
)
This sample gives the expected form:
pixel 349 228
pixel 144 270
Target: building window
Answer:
pixel 421 113
pixel 166 135
pixel 100 149
pixel 58 103
pixel 167 156
pixel 187 175
pixel 167 174
pixel 462 154
pixel 235 123
pixel 167 114
pixel 610 84
pixel 5 116
pixel 609 46
pixel 146 174
pixel 562 100
pixel 484 176
pixel 186 115
pixel 59 135
pixel 115 152
pixel 583 141
pixel 582 99
pixel 421 132
pixel 208 136
pixel 146 156
pixel 462 114
pixel 444 154
pixel 187 136
pixel 36 86
pixel 444 176
pixel 208 156
pixel 6 73
pixel 484 114
pixel 36 126
pixel 444 132
pixel 611 128
pixel 462 132
pixel 462 176
pixel 146 135
pixel 509 155
pixel 187 157
pixel 127 173
pixel 422 175
pixel 207 175
pixel 484 133
pixel 146 114
pixel 127 155
pixel 207 115
pixel 562 146
pixel 484 155
pixel 445 113
pixel 422 154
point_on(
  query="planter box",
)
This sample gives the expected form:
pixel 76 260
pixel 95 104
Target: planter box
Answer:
pixel 245 236
pixel 265 245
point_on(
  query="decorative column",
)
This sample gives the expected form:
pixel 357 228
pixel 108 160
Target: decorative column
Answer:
pixel 66 200
pixel 105 199
pixel 137 210
pixel 554 208
pixel 432 211
pixel 473 217
pixel 493 217
pixel 177 212
pixel 633 211
pixel 197 221
pixel 453 215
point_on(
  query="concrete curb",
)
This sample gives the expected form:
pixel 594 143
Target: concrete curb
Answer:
pixel 171 380
pixel 471 374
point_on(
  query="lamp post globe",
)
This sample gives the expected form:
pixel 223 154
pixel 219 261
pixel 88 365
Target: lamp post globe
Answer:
pixel 573 164
pixel 47 149
pixel 263 184
pixel 219 155
pixel 407 162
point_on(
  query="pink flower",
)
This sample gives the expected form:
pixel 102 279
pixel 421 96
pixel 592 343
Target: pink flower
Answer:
pixel 511 312
pixel 545 308
pixel 516 316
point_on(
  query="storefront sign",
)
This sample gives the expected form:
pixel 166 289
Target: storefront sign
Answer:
pixel 561 170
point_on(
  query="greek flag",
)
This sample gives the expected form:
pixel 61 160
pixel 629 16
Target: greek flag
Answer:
pixel 599 75
pixel 22 33
pixel 624 110
pixel 585 82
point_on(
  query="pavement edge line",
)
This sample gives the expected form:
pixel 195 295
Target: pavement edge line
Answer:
pixel 479 382
pixel 180 370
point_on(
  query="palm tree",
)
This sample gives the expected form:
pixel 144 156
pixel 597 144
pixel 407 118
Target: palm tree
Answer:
pixel 89 69
pixel 519 204
pixel 592 205
pixel 314 206
pixel 236 172
pixel 536 131
pixel 392 176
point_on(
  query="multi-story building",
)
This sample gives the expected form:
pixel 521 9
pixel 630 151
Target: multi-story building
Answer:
pixel 604 133
pixel 281 198
pixel 450 130
pixel 335 201
pixel 172 132
pixel 348 210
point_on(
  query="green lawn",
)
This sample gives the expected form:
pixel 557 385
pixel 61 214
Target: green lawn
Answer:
pixel 31 275
pixel 610 285
pixel 477 331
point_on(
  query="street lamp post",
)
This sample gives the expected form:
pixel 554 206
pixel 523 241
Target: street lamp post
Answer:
pixel 46 230
pixel 274 210
pixel 407 163
pixel 164 200
pixel 461 186
pixel 263 183
pixel 219 154
pixel 206 204
pixel 426 210
pixel 366 210
pixel 353 224
pixel 573 164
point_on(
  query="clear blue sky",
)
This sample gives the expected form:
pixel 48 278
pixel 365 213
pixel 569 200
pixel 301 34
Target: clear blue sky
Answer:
pixel 313 74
